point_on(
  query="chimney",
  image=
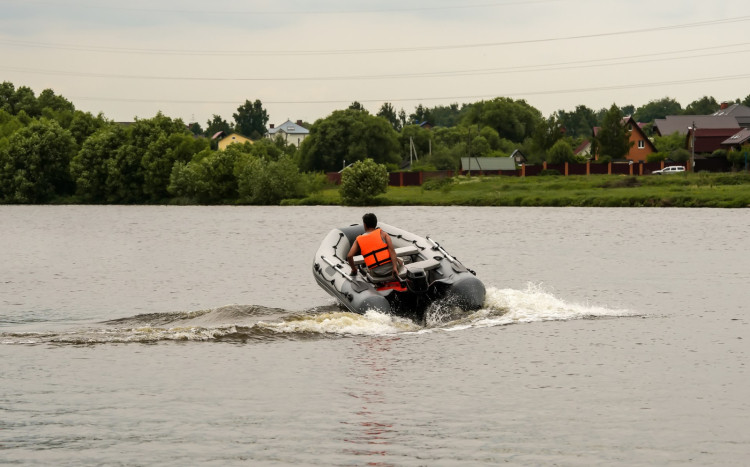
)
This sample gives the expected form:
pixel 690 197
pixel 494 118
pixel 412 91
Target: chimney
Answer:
pixel 724 105
pixel 272 126
pixel 299 122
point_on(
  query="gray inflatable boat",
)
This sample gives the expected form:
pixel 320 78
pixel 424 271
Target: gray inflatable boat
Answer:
pixel 429 275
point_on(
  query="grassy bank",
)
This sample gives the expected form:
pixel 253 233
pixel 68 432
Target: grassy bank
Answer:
pixel 683 190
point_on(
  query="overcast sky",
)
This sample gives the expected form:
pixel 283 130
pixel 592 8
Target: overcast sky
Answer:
pixel 192 59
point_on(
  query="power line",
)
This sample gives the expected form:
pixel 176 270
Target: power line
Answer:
pixel 299 12
pixel 126 50
pixel 444 98
pixel 578 64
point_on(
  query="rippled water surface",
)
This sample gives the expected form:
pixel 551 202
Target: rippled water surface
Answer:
pixel 198 336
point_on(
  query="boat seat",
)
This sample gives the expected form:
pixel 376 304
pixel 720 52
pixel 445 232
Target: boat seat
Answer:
pixel 402 251
pixel 424 265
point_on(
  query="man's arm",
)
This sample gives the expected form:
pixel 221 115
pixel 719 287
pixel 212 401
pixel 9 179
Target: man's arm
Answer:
pixel 392 252
pixel 350 257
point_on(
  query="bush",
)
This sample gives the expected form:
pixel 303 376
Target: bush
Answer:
pixel 362 182
pixel 443 184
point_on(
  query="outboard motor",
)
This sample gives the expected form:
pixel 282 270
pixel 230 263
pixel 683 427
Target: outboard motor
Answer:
pixel 416 280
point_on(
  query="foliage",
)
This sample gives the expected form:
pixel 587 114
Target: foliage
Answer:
pixel 34 166
pixel 447 116
pixel 703 106
pixel 89 167
pixel 421 138
pixel 362 182
pixel 578 123
pixel 548 134
pixel 513 120
pixel 656 157
pixel 159 158
pixel 348 136
pixel 680 155
pixel 269 182
pixel 657 109
pixel 612 138
pixel 421 114
pixel 217 124
pixel 561 152
pixel 251 119
pixel 669 143
pixel 389 114
pixel 357 106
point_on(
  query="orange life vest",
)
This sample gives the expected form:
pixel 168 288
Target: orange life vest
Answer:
pixel 374 249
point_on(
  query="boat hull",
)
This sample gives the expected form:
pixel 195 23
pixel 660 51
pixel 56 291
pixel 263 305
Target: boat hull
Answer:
pixel 432 276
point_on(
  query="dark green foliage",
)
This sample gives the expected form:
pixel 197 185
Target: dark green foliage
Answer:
pixel 704 106
pixel 90 167
pixel 657 109
pixel 613 139
pixel 513 120
pixel 561 152
pixel 35 163
pixel 251 119
pixel 362 182
pixel 348 135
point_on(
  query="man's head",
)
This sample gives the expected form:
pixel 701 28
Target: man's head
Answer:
pixel 370 220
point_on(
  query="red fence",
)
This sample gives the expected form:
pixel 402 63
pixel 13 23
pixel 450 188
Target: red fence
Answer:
pixel 589 168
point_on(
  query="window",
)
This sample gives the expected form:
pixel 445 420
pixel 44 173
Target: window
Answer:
pixel 641 144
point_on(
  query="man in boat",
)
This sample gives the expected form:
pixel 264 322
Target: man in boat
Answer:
pixel 376 248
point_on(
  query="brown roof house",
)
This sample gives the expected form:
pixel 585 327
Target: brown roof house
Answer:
pixel 708 140
pixel 681 123
pixel 737 140
pixel 740 112
pixel 640 145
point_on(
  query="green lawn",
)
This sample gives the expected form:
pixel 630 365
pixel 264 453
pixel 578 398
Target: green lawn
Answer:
pixel 680 190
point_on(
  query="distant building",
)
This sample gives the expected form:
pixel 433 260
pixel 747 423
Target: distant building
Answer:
pixel 737 140
pixel 487 163
pixel 293 133
pixel 740 112
pixel 640 145
pixel 231 139
pixel 708 140
pixel 680 123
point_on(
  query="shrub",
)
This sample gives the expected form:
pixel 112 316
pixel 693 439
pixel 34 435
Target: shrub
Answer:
pixel 362 182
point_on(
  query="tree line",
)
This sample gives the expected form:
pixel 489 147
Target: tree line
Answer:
pixel 52 152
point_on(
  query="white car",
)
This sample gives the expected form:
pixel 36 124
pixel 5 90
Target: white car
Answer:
pixel 672 169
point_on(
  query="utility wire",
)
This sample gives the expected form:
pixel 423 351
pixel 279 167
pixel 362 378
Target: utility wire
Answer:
pixel 125 50
pixel 579 64
pixel 433 98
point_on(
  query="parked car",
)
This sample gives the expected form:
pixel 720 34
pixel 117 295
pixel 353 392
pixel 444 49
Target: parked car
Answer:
pixel 672 169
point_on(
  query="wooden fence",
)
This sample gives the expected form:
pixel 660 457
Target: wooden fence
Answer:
pixel 589 168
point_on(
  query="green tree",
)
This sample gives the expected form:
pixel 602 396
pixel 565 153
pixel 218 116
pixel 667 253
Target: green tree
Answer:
pixel 49 100
pixel 389 114
pixel 746 101
pixel 26 101
pixel 84 124
pixel 704 106
pixel 613 139
pixel 210 177
pixel 348 135
pixel 34 165
pixel 195 128
pixel 578 123
pixel 160 157
pixel 513 120
pixel 421 114
pixel 548 133
pixel 447 116
pixel 357 106
pixel 657 109
pixel 270 182
pixel 251 119
pixel 126 170
pixel 362 182
pixel 561 152
pixel 89 168
pixel 217 124
pixel 669 143
pixel 421 138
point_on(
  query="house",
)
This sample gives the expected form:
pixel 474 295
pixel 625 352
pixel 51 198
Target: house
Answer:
pixel 708 140
pixel 293 133
pixel 583 149
pixel 518 157
pixel 681 123
pixel 640 145
pixel 740 112
pixel 487 163
pixel 737 140
pixel 231 139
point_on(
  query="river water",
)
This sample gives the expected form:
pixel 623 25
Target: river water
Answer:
pixel 198 336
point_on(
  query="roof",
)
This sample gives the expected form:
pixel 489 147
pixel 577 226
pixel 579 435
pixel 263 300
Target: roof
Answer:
pixel 290 128
pixel 741 137
pixel 710 139
pixel 734 110
pixel 218 134
pixel 680 123
pixel 488 163
pixel 582 147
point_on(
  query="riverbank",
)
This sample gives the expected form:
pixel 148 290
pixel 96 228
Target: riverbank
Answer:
pixel 720 190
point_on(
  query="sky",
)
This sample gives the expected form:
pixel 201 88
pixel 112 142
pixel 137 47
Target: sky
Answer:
pixel 303 60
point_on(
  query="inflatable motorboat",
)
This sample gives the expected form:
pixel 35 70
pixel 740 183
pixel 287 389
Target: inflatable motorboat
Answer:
pixel 429 275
